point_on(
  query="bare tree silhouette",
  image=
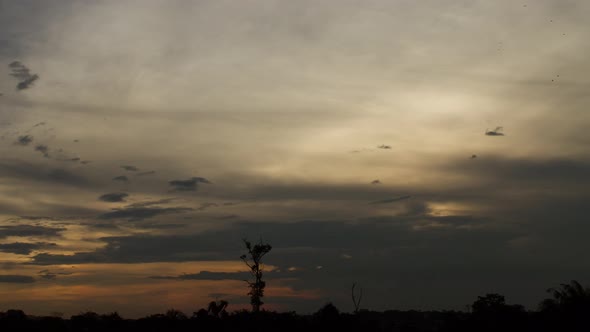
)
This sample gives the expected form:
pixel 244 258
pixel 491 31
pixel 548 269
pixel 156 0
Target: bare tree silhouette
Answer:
pixel 355 301
pixel 253 260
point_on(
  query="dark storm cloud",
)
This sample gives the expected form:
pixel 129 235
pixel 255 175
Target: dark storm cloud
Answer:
pixel 227 217
pixel 22 73
pixel 121 178
pixel 141 213
pixel 188 185
pixel 329 237
pixel 114 197
pixel 66 177
pixel 207 275
pixel 513 171
pixel 30 231
pixel 160 226
pixel 24 140
pixel 44 149
pixel 16 279
pixel 22 248
pixel 391 200
pixel 130 168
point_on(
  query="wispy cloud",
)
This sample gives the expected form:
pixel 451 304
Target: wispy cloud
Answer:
pixel 114 197
pixel 16 279
pixel 22 73
pixel 130 168
pixel 188 185
pixel 24 140
pixel 141 213
pixel 391 200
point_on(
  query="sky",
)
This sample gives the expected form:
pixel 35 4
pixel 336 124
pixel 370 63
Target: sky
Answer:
pixel 141 141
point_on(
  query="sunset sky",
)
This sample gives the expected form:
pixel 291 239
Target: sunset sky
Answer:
pixel 140 141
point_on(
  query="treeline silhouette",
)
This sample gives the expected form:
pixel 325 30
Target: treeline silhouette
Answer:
pixel 568 309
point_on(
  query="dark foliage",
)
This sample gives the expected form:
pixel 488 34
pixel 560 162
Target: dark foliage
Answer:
pixel 568 309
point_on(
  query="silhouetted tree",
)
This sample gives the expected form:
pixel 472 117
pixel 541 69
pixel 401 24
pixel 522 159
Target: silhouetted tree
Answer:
pixel 567 296
pixel 569 309
pixel 253 260
pixel 217 309
pixel 356 301
pixel 491 313
pixel 488 303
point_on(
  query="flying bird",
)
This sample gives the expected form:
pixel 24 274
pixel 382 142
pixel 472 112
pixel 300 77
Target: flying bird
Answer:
pixel 495 132
pixel 473 156
pixel 385 147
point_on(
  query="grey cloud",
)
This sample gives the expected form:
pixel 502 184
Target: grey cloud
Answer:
pixel 16 279
pixel 188 185
pixel 22 73
pixel 141 213
pixel 150 203
pixel 205 206
pixel 160 226
pixel 29 231
pixel 24 140
pixel 121 178
pixel 65 176
pixel 130 168
pixel 44 149
pixel 317 236
pixel 207 275
pixel 114 197
pixel 23 248
pixel 391 200
pixel 495 132
pixel 227 217
pixel 50 275
pixel 509 172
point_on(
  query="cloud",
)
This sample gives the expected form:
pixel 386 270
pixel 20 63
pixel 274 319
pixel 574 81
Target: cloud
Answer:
pixel 44 149
pixel 29 231
pixel 49 275
pixel 25 171
pixel 121 178
pixel 495 132
pixel 228 217
pixel 391 200
pixel 141 213
pixel 16 279
pixel 24 140
pixel 150 203
pixel 130 168
pixel 205 206
pixel 22 248
pixel 187 185
pixel 207 275
pixel 114 197
pixel 146 173
pixel 21 72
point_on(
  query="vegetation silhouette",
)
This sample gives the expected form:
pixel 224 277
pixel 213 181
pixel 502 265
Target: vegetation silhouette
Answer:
pixel 253 259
